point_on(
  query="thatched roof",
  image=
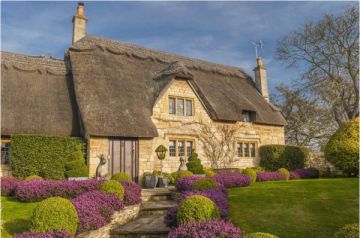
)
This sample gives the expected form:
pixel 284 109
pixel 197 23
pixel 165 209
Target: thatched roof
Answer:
pixel 36 96
pixel 117 85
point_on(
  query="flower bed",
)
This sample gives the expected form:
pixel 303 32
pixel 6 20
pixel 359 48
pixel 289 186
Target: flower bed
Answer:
pixel 186 183
pixel 230 180
pixel 8 185
pixel 308 173
pixel 132 193
pixel 269 176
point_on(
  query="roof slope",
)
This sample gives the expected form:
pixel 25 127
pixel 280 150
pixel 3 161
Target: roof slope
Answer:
pixel 36 96
pixel 117 85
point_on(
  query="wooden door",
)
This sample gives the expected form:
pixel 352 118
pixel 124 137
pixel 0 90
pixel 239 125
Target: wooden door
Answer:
pixel 124 157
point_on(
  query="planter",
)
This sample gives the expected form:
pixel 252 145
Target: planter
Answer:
pixel 151 181
pixel 163 182
pixel 77 178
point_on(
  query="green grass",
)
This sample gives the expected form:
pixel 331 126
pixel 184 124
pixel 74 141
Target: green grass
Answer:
pixel 314 208
pixel 15 216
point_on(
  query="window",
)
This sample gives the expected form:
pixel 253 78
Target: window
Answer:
pixel 181 106
pixel 172 148
pixel 180 147
pixel 5 152
pixel 172 109
pixel 246 149
pixel 189 147
pixel 246 116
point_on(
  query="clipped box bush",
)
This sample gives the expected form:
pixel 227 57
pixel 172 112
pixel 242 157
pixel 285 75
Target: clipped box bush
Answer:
pixel 56 234
pixel 285 172
pixel 348 231
pixel 260 235
pixel 132 192
pixel 180 174
pixel 204 184
pixel 33 177
pixel 45 156
pixel 274 157
pixel 209 172
pixel 230 180
pixel 342 149
pixel 113 187
pixel 83 171
pixel 76 167
pixel 54 214
pixel 121 176
pixel 8 185
pixel 194 164
pixel 251 173
pixel 197 208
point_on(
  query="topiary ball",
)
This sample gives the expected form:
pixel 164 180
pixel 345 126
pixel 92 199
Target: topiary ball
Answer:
pixel 285 172
pixel 113 187
pixel 180 174
pixel 209 172
pixel 348 231
pixel 197 208
pixel 54 214
pixel 34 177
pixel 260 235
pixel 204 184
pixel 121 177
pixel 251 173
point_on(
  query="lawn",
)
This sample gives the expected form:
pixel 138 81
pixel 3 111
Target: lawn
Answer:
pixel 314 208
pixel 15 216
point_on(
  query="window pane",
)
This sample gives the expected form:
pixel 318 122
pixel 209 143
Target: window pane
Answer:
pixel 172 106
pixel 180 106
pixel 246 150
pixel 172 148
pixel 189 147
pixel 246 116
pixel 5 153
pixel 181 148
pixel 239 150
pixel 189 107
pixel 252 150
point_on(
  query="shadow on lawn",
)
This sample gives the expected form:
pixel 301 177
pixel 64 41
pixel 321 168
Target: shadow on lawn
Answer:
pixel 16 226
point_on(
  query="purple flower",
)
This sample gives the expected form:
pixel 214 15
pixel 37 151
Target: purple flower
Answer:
pixel 308 173
pixel 170 217
pixel 229 180
pixel 58 234
pixel 132 192
pixel 269 176
pixel 206 229
pixel 95 209
pixel 185 183
pixel 8 185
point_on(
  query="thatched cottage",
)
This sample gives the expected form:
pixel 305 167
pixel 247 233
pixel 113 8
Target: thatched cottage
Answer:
pixel 126 100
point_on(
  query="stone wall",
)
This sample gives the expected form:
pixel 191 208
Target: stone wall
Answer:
pixel 5 170
pixel 96 147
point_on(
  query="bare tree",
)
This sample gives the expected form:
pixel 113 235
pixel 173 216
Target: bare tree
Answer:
pixel 328 53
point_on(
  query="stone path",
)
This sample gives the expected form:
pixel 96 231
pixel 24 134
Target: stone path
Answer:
pixel 150 223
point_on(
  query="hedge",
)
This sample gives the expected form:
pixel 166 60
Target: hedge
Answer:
pixel 42 155
pixel 274 157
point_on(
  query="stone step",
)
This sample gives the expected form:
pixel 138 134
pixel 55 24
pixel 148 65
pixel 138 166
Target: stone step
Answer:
pixel 142 227
pixel 156 194
pixel 156 207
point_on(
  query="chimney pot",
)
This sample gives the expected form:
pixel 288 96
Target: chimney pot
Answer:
pixel 261 78
pixel 79 23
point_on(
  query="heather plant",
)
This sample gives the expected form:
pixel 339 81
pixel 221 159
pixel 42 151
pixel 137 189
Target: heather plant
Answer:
pixel 170 217
pixel 308 173
pixel 33 177
pixel 251 173
pixel 180 174
pixel 113 187
pixel 56 234
pixel 209 172
pixel 95 209
pixel 206 229
pixel 348 231
pixel 8 185
pixel 230 180
pixel 54 214
pixel 204 184
pixel 121 176
pixel 198 208
pixel 260 235
pixel 186 182
pixel 194 164
pixel 132 192
pixel 269 176
pixel 285 172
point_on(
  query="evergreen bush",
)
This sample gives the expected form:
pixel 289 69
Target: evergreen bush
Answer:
pixel 33 177
pixel 285 172
pixel 113 187
pixel 209 172
pixel 76 167
pixel 121 176
pixel 204 184
pixel 194 164
pixel 251 173
pixel 180 174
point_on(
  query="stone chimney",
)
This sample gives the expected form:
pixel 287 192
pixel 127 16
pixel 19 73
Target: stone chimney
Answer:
pixel 79 23
pixel 261 78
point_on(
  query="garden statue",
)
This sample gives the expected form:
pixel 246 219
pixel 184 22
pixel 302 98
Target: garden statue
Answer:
pixel 182 164
pixel 102 169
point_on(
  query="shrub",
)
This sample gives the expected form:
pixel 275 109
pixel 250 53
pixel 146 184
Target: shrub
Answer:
pixel 8 185
pixel 165 175
pixel 33 177
pixel 206 229
pixel 194 164
pixel 113 187
pixel 348 231
pixel 260 235
pixel 56 234
pixel 41 155
pixel 342 150
pixel 80 172
pixel 95 209
pixel 186 182
pixel 197 208
pixel 54 214
pixel 274 157
pixel 180 174
pixel 309 173
pixel 204 184
pixel 132 192
pixel 285 172
pixel 209 172
pixel 229 180
pixel 251 173
pixel 269 176
pixel 76 167
pixel 37 190
pixel 121 177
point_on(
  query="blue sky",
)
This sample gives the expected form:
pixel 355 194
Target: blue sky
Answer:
pixel 220 32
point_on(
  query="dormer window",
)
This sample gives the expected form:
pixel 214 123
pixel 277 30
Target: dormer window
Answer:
pixel 181 106
pixel 248 116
